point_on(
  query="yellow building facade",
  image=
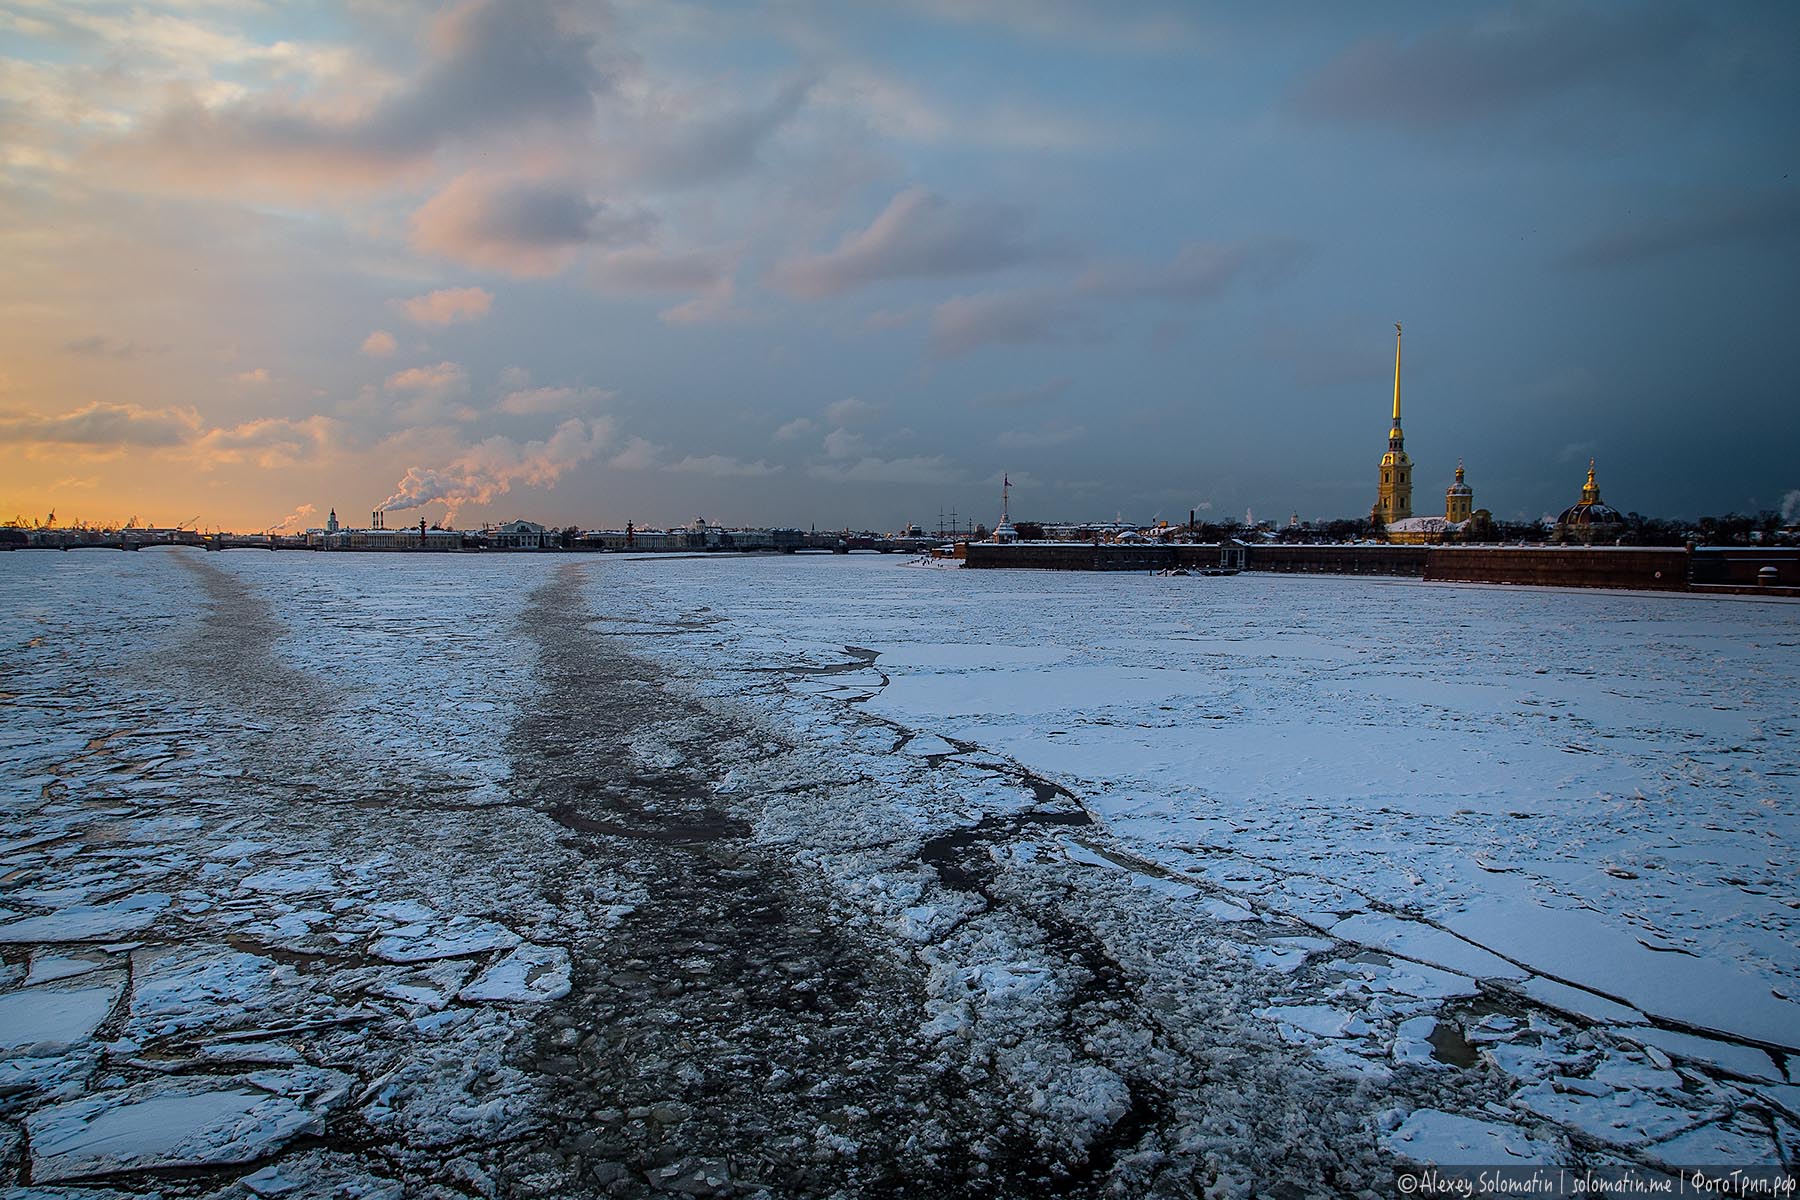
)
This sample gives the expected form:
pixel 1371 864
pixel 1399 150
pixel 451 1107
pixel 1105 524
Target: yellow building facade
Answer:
pixel 1393 498
pixel 1393 501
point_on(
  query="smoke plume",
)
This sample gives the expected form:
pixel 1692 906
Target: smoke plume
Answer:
pixel 492 467
pixel 293 519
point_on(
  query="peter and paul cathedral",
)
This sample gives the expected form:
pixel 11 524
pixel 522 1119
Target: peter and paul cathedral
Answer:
pixel 1394 500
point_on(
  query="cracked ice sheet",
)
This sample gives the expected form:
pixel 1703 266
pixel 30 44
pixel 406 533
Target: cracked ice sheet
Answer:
pixel 53 1017
pixel 172 1124
pixel 1444 1139
pixel 1552 775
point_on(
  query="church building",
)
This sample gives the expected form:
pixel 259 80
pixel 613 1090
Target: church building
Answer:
pixel 1591 519
pixel 1393 501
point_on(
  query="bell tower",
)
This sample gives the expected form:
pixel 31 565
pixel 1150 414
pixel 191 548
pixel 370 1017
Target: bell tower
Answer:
pixel 1459 499
pixel 1394 499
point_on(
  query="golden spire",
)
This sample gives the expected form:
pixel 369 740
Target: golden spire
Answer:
pixel 1396 374
pixel 1590 494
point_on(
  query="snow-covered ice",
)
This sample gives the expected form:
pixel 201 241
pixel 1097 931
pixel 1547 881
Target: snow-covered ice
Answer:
pixel 1430 1137
pixel 174 1125
pixel 1163 879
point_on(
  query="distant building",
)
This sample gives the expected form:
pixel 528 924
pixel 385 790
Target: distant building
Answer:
pixel 1458 518
pixel 522 535
pixel 1590 519
pixel 331 522
pixel 1459 499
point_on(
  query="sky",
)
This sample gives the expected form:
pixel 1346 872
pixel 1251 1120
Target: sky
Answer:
pixel 849 264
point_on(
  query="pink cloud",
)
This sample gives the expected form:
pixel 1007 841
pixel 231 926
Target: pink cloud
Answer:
pixel 449 305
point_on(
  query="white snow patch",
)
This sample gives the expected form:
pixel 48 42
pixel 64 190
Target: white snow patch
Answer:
pixel 88 922
pixel 529 974
pixel 1431 1137
pixel 459 938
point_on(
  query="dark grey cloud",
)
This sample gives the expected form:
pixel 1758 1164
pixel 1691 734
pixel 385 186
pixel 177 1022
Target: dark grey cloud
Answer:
pixel 492 66
pixel 1487 62
pixel 103 424
pixel 919 235
pixel 1196 273
pixel 522 226
pixel 1772 219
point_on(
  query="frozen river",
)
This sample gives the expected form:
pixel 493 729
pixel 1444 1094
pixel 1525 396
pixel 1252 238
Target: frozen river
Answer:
pixel 586 875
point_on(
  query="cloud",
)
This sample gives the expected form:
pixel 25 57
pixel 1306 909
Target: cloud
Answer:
pixel 919 469
pixel 101 429
pixel 1153 26
pixel 269 442
pixel 448 305
pixel 100 346
pixel 1769 219
pixel 490 67
pixel 431 393
pixel 709 272
pixel 964 323
pixel 715 306
pixel 895 108
pixel 104 424
pixel 1485 63
pixel 637 454
pixel 379 344
pixel 534 401
pixel 1197 272
pixel 525 227
pixel 841 443
pixel 257 376
pixel 919 235
pixel 685 150
pixel 797 428
pixel 850 411
pixel 721 466
pixel 635 271
pixel 494 466
pixel 442 377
